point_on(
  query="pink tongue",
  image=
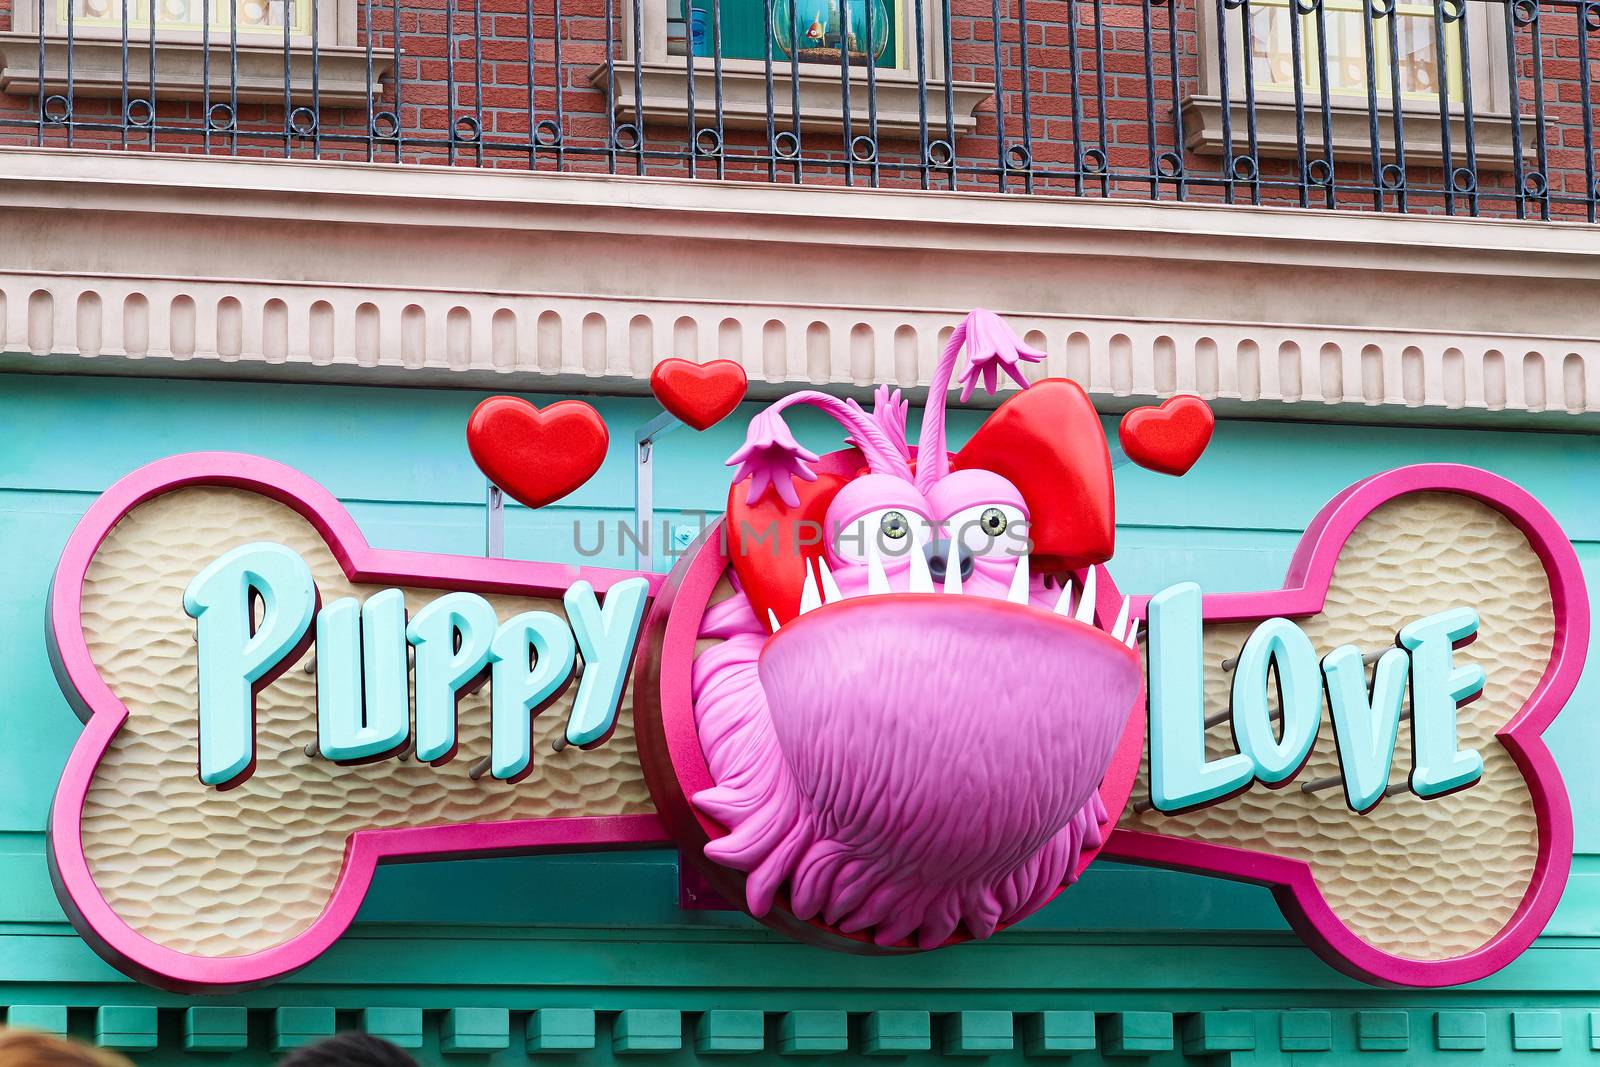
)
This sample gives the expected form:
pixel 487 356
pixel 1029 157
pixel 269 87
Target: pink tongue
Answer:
pixel 956 735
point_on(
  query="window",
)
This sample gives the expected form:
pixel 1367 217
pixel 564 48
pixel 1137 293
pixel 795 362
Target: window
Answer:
pixel 874 27
pixel 805 45
pixel 1406 48
pixel 1417 51
pixel 252 17
pixel 183 30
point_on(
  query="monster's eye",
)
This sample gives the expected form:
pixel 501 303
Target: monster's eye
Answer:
pixel 990 530
pixel 891 531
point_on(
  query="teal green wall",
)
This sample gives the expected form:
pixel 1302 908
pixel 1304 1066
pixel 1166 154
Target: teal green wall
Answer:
pixel 514 935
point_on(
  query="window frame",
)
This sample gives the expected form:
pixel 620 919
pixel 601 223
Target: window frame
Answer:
pixel 1486 49
pixel 336 26
pixel 179 61
pixel 1308 57
pixel 664 78
pixel 1349 113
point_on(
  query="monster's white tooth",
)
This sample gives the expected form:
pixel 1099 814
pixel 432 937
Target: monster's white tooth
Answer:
pixel 920 581
pixel 1018 593
pixel 1086 605
pixel 830 588
pixel 1064 601
pixel 1122 620
pixel 1133 634
pixel 877 578
pixel 772 617
pixel 808 596
pixel 952 571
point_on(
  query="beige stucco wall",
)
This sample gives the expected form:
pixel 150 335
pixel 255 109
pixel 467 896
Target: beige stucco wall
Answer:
pixel 373 272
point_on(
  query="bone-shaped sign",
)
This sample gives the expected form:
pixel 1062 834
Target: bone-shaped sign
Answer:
pixel 186 885
pixel 190 886
pixel 1416 891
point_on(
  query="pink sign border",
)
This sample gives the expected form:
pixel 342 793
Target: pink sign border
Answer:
pixel 1304 591
pixel 103 715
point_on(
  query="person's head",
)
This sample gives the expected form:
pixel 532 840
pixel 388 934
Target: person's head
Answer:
pixel 347 1050
pixel 26 1048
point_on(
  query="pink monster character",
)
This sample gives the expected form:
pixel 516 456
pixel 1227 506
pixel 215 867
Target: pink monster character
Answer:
pixel 908 716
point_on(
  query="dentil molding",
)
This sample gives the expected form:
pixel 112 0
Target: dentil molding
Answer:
pixel 167 265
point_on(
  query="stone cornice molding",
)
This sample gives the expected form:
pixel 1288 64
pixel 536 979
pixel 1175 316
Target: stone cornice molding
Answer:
pixel 292 270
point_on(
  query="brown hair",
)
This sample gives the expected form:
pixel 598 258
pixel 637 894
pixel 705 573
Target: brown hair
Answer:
pixel 25 1048
pixel 349 1050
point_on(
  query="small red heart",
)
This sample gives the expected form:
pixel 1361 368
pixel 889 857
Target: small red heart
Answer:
pixel 1168 438
pixel 536 456
pixel 701 394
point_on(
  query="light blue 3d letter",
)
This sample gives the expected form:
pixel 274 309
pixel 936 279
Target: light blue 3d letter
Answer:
pixel 236 656
pixel 1281 644
pixel 531 662
pixel 606 639
pixel 1365 724
pixel 1437 687
pixel 363 701
pixel 443 669
pixel 1180 776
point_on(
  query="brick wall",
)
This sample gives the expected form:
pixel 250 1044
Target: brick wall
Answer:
pixel 1120 88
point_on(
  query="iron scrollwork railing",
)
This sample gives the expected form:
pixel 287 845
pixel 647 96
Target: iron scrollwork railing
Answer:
pixel 1464 107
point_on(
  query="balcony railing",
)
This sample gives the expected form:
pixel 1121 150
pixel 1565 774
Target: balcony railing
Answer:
pixel 1462 107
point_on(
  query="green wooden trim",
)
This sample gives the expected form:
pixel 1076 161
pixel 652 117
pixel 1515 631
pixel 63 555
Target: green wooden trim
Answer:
pixel 976 1033
pixel 1383 1031
pixel 813 1032
pixel 560 1030
pixel 896 1032
pixel 723 1030
pixel 46 1018
pixel 216 1028
pixel 1058 1033
pixel 168 1033
pixel 477 1030
pixel 296 1026
pixel 1461 1031
pixel 1137 1033
pixel 126 1027
pixel 399 1026
pixel 1536 1031
pixel 1305 1031
pixel 1209 1032
pixel 647 1030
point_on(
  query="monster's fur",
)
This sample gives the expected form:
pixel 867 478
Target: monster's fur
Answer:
pixel 889 885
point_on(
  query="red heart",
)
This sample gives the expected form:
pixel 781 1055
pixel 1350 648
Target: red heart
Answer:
pixel 1048 442
pixel 536 456
pixel 701 394
pixel 1169 438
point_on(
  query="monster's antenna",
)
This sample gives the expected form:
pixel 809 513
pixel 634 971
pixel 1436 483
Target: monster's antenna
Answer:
pixel 772 457
pixel 992 347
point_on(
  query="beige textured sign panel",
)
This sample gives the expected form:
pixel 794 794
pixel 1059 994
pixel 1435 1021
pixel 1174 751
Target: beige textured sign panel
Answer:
pixel 1422 879
pixel 223 873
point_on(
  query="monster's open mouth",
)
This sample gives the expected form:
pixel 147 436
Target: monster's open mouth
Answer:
pixel 909 759
pixel 1068 598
